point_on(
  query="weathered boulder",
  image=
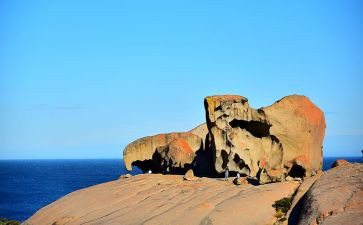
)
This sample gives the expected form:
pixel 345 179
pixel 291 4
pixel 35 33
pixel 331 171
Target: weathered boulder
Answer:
pixel 143 152
pixel 177 154
pixel 339 162
pixel 335 198
pixel 284 139
pixel 189 175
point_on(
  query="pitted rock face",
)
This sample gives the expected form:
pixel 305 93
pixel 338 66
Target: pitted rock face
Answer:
pixel 143 152
pixel 201 131
pixel 177 154
pixel 269 143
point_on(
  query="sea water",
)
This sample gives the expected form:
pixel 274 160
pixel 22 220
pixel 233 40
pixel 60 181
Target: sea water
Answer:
pixel 28 185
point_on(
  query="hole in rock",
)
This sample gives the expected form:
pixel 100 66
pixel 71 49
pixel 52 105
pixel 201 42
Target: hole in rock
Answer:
pixel 236 159
pixel 146 165
pixel 297 171
pixel 246 170
pixel 256 128
pixel 224 155
pixel 239 162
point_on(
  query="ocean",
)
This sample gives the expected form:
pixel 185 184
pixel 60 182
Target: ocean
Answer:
pixel 28 185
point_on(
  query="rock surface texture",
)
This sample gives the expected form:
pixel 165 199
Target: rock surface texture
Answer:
pixel 270 143
pixel 335 198
pixel 189 175
pixel 298 197
pixel 339 162
pixel 177 154
pixel 166 199
pixel 146 152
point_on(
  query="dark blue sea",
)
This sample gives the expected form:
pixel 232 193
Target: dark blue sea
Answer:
pixel 28 185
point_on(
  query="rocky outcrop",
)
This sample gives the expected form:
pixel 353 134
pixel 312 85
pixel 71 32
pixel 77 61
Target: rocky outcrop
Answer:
pixel 189 175
pixel 335 198
pixel 177 154
pixel 145 152
pixel 284 139
pixel 270 143
pixel 166 199
pixel 339 162
pixel 280 143
pixel 298 198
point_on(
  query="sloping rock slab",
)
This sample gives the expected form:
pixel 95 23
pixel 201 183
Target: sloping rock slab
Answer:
pixel 298 199
pixel 166 199
pixel 335 198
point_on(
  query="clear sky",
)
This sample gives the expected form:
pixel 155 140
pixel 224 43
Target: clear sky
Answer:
pixel 81 79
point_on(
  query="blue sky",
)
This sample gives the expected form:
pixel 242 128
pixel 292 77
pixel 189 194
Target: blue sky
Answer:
pixel 81 79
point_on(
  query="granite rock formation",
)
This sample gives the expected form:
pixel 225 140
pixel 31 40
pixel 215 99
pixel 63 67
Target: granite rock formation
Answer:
pixel 335 198
pixel 173 150
pixel 298 198
pixel 177 154
pixel 280 143
pixel 271 143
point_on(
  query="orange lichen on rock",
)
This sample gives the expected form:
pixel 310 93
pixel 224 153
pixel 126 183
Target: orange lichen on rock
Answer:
pixel 306 109
pixel 301 160
pixel 291 129
pixel 275 172
pixel 213 101
pixel 181 144
pixel 262 163
pixel 283 137
pixel 143 149
pixel 178 153
pixel 226 98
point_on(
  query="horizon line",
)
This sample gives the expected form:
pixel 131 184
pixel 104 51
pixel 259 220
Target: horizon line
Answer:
pixel 328 156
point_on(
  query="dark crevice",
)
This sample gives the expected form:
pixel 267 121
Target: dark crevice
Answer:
pixel 202 164
pixel 239 162
pixel 256 128
pixel 218 108
pixel 297 171
pixel 244 169
pixel 274 139
pixel 224 155
pixel 228 142
pixel 262 112
pixel 236 159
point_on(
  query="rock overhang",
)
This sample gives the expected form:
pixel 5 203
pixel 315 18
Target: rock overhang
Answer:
pixel 267 143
